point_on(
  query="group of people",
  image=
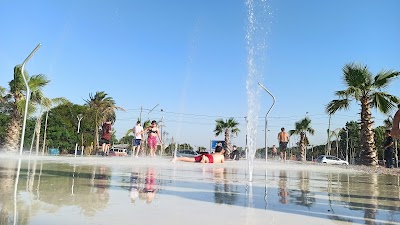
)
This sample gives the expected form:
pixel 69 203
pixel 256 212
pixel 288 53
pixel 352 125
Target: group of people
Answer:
pixel 388 145
pixel 219 155
pixel 152 133
pixel 144 190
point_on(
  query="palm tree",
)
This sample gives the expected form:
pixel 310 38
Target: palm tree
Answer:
pixel 366 90
pixel 336 133
pixel 16 101
pixel 301 128
pixel 102 108
pixel 46 103
pixel 388 123
pixel 228 127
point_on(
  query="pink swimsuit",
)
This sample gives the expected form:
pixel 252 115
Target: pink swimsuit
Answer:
pixel 152 140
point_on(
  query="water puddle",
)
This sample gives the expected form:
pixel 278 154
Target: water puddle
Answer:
pixel 142 191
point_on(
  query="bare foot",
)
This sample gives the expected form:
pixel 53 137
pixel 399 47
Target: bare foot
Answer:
pixel 203 159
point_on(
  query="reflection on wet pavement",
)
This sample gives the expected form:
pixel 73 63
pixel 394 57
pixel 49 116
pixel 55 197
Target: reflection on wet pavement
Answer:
pixel 90 193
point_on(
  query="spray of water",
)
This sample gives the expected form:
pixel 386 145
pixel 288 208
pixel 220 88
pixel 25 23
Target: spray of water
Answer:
pixel 192 53
pixel 256 44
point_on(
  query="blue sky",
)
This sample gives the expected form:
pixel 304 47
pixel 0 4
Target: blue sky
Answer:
pixel 190 57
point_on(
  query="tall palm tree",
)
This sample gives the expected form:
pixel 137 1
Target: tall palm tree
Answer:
pixel 336 133
pixel 16 102
pixel 301 128
pixel 228 127
pixel 102 108
pixel 47 104
pixel 366 90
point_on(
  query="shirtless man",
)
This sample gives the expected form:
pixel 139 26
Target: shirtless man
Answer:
pixel 283 139
pixel 217 157
pixel 396 121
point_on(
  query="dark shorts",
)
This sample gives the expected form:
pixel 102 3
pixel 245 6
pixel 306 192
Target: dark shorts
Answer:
pixel 136 142
pixel 283 146
pixel 104 141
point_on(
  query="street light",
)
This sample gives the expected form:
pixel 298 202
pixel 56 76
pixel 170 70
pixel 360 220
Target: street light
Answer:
pixel 347 143
pixel 246 148
pixel 79 117
pixel 148 114
pixel 266 120
pixel 161 124
pixel 28 93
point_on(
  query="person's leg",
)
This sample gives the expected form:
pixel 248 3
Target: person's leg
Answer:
pixel 284 155
pixel 152 145
pixel 137 150
pixel 391 158
pixel 185 159
pixel 133 150
pixel 103 148
pixel 204 159
pixel 386 158
pixel 153 150
pixel 107 149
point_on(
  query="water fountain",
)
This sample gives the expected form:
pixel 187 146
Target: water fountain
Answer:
pixel 256 44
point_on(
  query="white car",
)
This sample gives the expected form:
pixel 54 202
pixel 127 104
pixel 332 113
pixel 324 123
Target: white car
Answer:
pixel 332 160
pixel 186 153
pixel 118 152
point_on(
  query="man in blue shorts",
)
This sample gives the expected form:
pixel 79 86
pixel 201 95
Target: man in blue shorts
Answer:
pixel 137 138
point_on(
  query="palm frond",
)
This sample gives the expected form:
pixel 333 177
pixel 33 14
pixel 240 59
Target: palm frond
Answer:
pixel 388 123
pixel 384 102
pixel 58 101
pixel 36 96
pixel 303 125
pixel 37 82
pixel 384 78
pixel 356 75
pixel 230 125
pixel 128 132
pixel 146 124
pixel 21 107
pixel 336 105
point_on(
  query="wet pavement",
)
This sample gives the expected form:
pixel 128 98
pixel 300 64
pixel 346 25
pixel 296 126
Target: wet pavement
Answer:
pixel 65 190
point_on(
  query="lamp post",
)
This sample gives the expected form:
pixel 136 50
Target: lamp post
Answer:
pixel 328 147
pixel 28 93
pixel 246 148
pixel 161 124
pixel 266 120
pixel 312 154
pixel 79 117
pixel 148 114
pixel 347 144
